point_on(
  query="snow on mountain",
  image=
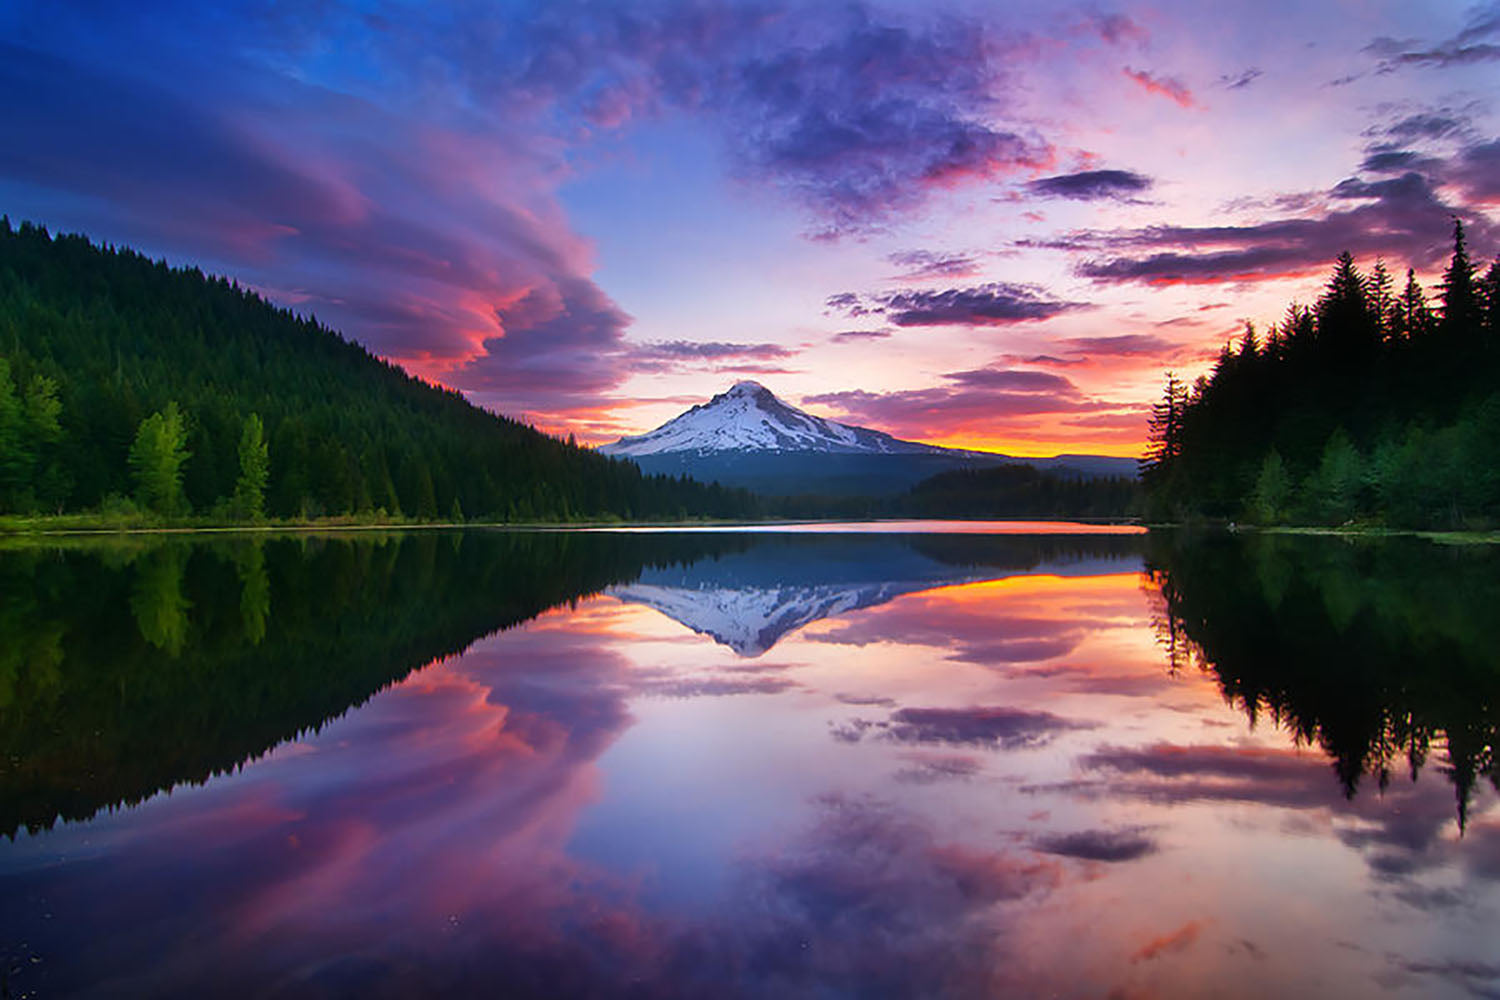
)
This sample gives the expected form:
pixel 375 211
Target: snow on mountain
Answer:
pixel 750 418
pixel 750 620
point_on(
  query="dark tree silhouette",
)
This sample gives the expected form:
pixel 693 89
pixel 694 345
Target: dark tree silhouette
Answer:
pixel 1365 407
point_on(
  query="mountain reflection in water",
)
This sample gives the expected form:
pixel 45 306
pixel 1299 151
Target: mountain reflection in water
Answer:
pixel 489 763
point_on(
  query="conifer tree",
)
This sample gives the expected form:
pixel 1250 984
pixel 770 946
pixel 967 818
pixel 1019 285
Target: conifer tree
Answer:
pixel 1347 320
pixel 1414 315
pixel 1383 299
pixel 1489 295
pixel 1165 429
pixel 1460 294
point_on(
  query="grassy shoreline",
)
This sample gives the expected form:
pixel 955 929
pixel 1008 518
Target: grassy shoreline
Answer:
pixel 102 525
pixel 1448 537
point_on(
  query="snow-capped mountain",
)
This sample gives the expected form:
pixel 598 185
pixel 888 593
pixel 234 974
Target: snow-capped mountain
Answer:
pixel 752 599
pixel 750 620
pixel 749 601
pixel 750 418
pixel 747 437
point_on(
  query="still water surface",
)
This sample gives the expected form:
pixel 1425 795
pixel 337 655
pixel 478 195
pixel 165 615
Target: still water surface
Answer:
pixel 750 764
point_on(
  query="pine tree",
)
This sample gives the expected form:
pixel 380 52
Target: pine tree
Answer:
pixel 1460 296
pixel 1383 299
pixel 1348 325
pixel 1414 315
pixel 1165 429
pixel 1489 293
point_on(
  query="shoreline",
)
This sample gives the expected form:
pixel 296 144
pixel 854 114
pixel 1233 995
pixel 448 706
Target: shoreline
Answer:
pixel 84 527
pixel 79 526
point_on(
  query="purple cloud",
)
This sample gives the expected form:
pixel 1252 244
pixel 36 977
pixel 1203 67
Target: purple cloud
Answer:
pixel 1091 185
pixel 998 727
pixel 998 303
pixel 919 265
pixel 1127 844
pixel 1241 80
pixel 1468 47
pixel 1401 217
pixel 857 336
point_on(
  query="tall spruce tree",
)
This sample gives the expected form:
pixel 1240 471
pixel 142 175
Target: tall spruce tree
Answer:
pixel 1460 292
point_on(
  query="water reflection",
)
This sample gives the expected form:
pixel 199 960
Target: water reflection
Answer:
pixel 970 770
pixel 1374 652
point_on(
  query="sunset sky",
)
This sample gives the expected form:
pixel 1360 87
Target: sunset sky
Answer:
pixel 979 224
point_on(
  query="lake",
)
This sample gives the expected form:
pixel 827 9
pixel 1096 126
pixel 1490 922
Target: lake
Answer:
pixel 928 761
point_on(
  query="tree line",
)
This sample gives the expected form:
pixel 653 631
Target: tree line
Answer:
pixel 129 385
pixel 1374 405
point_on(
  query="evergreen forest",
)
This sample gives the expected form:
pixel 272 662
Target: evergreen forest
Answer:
pixel 1377 405
pixel 133 389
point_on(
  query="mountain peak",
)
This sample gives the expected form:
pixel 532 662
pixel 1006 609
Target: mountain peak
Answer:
pixel 748 417
pixel 748 387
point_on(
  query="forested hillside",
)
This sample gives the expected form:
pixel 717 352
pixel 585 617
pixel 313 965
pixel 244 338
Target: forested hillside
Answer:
pixel 128 384
pixel 1373 405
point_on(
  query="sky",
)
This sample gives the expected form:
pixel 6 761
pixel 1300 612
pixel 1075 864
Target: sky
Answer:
pixel 988 225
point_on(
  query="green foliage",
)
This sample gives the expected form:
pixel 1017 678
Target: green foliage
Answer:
pixel 1373 409
pixel 1007 491
pixel 30 476
pixel 156 460
pixel 1273 490
pixel 1333 492
pixel 255 471
pixel 104 338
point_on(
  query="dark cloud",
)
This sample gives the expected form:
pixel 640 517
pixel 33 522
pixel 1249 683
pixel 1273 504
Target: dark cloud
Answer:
pixel 866 699
pixel 1401 217
pixel 1241 80
pixel 719 687
pixel 1476 171
pixel 1091 185
pixel 999 727
pixel 918 265
pixel 995 304
pixel 1424 125
pixel 1169 87
pixel 1127 844
pixel 847 336
pixel 1393 161
pixel 1011 380
pixel 1477 978
pixel 1466 48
